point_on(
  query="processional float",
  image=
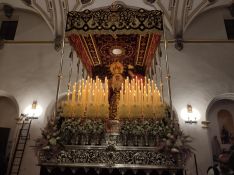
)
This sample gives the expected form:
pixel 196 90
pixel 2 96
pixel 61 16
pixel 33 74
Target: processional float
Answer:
pixel 115 117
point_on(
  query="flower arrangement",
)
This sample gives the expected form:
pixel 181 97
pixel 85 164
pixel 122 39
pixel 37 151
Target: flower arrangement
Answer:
pixel 50 142
pixel 163 134
pixel 72 131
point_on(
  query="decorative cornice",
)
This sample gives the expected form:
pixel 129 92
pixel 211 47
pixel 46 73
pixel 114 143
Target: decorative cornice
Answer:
pixel 28 2
pixel 157 4
pixel 85 1
pixel 114 19
pixel 178 14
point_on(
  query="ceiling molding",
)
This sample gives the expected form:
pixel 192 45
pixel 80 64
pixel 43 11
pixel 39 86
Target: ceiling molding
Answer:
pixel 84 5
pixel 28 2
pixel 191 11
pixel 204 5
pixel 45 10
pixel 54 13
pixel 173 7
pixel 78 4
pixel 218 4
pixel 178 14
pixel 22 5
pixel 168 19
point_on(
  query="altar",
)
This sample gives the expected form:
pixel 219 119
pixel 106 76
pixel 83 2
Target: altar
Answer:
pixel 115 119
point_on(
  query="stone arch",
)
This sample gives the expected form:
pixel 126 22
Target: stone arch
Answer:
pixel 14 102
pixel 202 11
pixel 9 111
pixel 219 112
pixel 224 96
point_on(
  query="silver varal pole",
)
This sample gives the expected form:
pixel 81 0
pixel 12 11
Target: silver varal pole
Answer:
pixel 155 68
pixel 161 75
pixel 167 70
pixel 59 76
pixel 70 73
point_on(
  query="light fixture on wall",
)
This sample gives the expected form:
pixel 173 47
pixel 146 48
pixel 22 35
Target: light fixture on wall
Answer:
pixel 33 111
pixel 190 115
pixel 205 124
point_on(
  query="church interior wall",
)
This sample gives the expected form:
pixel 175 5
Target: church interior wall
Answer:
pixel 199 72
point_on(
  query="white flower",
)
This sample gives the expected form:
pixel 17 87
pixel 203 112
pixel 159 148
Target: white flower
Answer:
pixel 46 147
pixel 168 135
pixel 172 137
pixel 174 150
pixel 168 142
pixel 53 141
pixel 178 143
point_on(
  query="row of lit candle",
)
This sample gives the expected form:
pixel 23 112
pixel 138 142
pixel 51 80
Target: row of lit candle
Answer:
pixel 137 92
pixel 139 98
pixel 89 92
pixel 88 98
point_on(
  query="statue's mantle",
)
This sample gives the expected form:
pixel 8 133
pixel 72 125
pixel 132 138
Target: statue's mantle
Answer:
pixel 120 157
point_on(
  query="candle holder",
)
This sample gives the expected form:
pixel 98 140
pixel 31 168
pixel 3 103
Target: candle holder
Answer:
pixel 205 124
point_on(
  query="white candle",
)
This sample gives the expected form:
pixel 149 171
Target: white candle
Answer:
pixel 68 95
pixel 74 93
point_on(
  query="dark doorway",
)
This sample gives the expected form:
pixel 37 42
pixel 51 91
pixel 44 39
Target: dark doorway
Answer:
pixel 4 135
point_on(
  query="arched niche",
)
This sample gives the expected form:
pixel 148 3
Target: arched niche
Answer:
pixel 226 125
pixel 220 113
pixel 9 111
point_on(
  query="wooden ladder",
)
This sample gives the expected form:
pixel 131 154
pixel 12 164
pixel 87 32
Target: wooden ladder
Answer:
pixel 20 147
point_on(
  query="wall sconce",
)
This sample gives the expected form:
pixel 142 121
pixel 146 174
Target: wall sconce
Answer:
pixel 205 124
pixel 190 115
pixel 33 111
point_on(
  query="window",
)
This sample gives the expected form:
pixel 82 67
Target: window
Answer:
pixel 229 24
pixel 8 29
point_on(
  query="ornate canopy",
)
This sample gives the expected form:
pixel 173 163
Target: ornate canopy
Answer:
pixel 115 33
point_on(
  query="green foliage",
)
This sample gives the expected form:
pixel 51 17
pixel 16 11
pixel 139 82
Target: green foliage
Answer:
pixel 167 133
pixel 50 141
pixel 73 127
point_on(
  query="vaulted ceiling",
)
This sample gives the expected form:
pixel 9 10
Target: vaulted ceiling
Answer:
pixel 178 13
